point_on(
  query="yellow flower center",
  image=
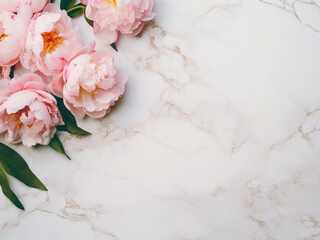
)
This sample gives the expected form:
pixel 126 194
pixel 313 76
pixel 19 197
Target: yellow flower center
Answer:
pixel 3 36
pixel 114 2
pixel 84 89
pixel 50 41
pixel 115 5
pixel 17 116
pixel 18 123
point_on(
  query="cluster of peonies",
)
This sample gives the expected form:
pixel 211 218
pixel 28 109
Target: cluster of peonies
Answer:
pixel 122 16
pixel 40 41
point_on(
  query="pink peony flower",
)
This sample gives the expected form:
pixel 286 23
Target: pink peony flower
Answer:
pixel 5 73
pixel 14 5
pixel 113 16
pixel 28 113
pixel 13 31
pixel 50 41
pixel 20 71
pixel 92 84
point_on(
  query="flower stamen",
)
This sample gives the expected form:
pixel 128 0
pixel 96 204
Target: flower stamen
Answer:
pixel 115 5
pixel 114 2
pixel 50 41
pixel 17 116
pixel 18 123
pixel 3 36
pixel 84 89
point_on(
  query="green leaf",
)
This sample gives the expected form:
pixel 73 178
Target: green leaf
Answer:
pixel 13 164
pixel 56 145
pixel 69 120
pixel 76 10
pixel 7 191
pixel 90 22
pixel 62 128
pixel 113 45
pixel 66 4
pixel 12 71
pixel 52 1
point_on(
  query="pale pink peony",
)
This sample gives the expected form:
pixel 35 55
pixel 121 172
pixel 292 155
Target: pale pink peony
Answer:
pixel 28 113
pixel 92 84
pixel 20 71
pixel 13 31
pixel 113 16
pixel 50 41
pixel 14 5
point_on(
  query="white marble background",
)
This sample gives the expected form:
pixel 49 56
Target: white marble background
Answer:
pixel 216 138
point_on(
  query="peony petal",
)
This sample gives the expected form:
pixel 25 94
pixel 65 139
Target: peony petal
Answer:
pixel 104 34
pixel 57 85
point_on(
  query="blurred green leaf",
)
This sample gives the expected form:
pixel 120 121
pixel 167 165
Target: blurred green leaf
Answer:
pixel 56 145
pixel 66 4
pixel 12 71
pixel 69 120
pixel 76 10
pixel 7 191
pixel 62 128
pixel 113 45
pixel 13 164
pixel 90 22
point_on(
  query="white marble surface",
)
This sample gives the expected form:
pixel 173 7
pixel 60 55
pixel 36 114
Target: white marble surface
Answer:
pixel 217 136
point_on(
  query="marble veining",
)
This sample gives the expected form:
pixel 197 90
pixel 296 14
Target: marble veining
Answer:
pixel 217 136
